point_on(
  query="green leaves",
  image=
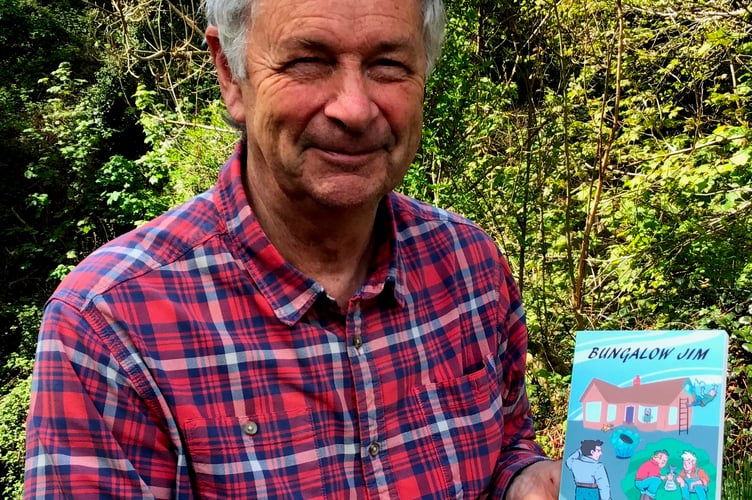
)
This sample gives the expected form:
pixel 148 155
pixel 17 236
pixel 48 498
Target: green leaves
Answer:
pixel 669 244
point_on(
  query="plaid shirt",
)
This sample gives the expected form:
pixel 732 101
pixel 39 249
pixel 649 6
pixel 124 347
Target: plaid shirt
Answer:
pixel 189 359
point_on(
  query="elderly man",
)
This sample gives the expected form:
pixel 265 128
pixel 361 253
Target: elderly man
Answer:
pixel 300 330
pixel 692 479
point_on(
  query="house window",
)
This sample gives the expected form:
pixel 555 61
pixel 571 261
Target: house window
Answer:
pixel 610 413
pixel 593 411
pixel 647 414
pixel 673 415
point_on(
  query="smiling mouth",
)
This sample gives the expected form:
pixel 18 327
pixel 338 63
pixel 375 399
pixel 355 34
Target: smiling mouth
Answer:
pixel 364 149
pixel 348 158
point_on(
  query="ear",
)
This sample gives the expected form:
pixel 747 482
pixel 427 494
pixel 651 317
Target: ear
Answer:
pixel 232 93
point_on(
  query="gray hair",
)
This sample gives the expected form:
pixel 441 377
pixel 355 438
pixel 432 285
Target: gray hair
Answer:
pixel 231 17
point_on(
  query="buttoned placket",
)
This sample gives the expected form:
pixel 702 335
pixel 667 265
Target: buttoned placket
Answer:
pixel 369 404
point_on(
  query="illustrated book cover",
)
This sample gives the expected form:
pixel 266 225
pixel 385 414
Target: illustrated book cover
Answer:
pixel 646 415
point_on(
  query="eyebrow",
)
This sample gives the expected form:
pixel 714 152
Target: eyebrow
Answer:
pixel 304 43
pixel 385 46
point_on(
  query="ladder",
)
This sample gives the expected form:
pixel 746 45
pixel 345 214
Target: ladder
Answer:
pixel 683 415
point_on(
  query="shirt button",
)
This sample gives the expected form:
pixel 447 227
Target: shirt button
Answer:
pixel 357 341
pixel 374 449
pixel 250 428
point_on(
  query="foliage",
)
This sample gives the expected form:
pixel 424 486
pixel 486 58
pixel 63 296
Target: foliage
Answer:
pixel 15 368
pixel 737 481
pixel 188 153
pixel 36 37
pixel 13 409
pixel 619 137
pixel 82 199
pixel 549 396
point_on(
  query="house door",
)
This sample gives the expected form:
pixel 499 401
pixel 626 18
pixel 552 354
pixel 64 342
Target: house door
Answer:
pixel 629 417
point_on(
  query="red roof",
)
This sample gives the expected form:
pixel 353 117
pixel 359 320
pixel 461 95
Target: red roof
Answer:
pixel 653 394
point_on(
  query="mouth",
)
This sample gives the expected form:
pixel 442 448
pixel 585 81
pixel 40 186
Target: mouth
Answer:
pixel 338 144
pixel 348 148
pixel 349 152
pixel 349 158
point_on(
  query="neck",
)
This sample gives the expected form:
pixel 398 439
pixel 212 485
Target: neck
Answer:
pixel 332 246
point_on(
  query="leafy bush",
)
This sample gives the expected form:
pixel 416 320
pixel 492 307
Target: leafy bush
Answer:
pixel 14 405
pixel 15 373
pixel 737 481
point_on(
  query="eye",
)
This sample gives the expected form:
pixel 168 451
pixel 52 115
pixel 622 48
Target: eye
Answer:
pixel 306 60
pixel 389 62
pixel 308 67
pixel 389 69
pixel 303 62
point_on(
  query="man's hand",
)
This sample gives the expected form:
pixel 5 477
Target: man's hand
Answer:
pixel 539 481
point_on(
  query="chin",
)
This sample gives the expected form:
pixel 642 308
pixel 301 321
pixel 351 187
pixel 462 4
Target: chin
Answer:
pixel 349 200
pixel 340 203
pixel 350 192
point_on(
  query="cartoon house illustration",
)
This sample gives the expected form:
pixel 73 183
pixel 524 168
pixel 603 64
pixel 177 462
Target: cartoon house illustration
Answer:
pixel 656 406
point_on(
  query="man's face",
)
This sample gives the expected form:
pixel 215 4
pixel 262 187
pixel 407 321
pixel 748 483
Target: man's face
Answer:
pixel 661 459
pixel 688 464
pixel 596 453
pixel 333 99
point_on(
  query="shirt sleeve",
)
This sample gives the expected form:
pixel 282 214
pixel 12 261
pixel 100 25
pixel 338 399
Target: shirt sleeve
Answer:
pixel 601 479
pixel 571 459
pixel 90 434
pixel 703 477
pixel 519 448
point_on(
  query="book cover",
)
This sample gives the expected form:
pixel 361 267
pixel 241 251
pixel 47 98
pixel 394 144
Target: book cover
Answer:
pixel 646 415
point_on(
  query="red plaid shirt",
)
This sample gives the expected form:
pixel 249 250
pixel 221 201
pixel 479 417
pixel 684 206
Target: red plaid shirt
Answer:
pixel 188 359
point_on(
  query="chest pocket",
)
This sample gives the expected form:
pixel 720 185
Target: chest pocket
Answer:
pixel 255 456
pixel 466 422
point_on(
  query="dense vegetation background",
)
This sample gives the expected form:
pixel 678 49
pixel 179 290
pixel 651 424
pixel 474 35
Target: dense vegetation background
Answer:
pixel 606 145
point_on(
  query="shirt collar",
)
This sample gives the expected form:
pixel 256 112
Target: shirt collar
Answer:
pixel 290 293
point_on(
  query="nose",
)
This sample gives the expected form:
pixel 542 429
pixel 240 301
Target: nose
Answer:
pixel 351 105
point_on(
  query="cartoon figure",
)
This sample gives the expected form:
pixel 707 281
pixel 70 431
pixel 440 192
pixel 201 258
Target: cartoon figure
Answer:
pixel 647 415
pixel 699 396
pixel 692 479
pixel 648 478
pixel 590 477
pixel 706 397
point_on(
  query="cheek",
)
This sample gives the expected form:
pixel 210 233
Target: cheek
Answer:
pixel 286 108
pixel 403 108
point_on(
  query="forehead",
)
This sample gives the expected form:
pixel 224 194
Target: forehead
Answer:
pixel 342 22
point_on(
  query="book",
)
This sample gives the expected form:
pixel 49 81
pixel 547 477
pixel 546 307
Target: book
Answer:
pixel 646 416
